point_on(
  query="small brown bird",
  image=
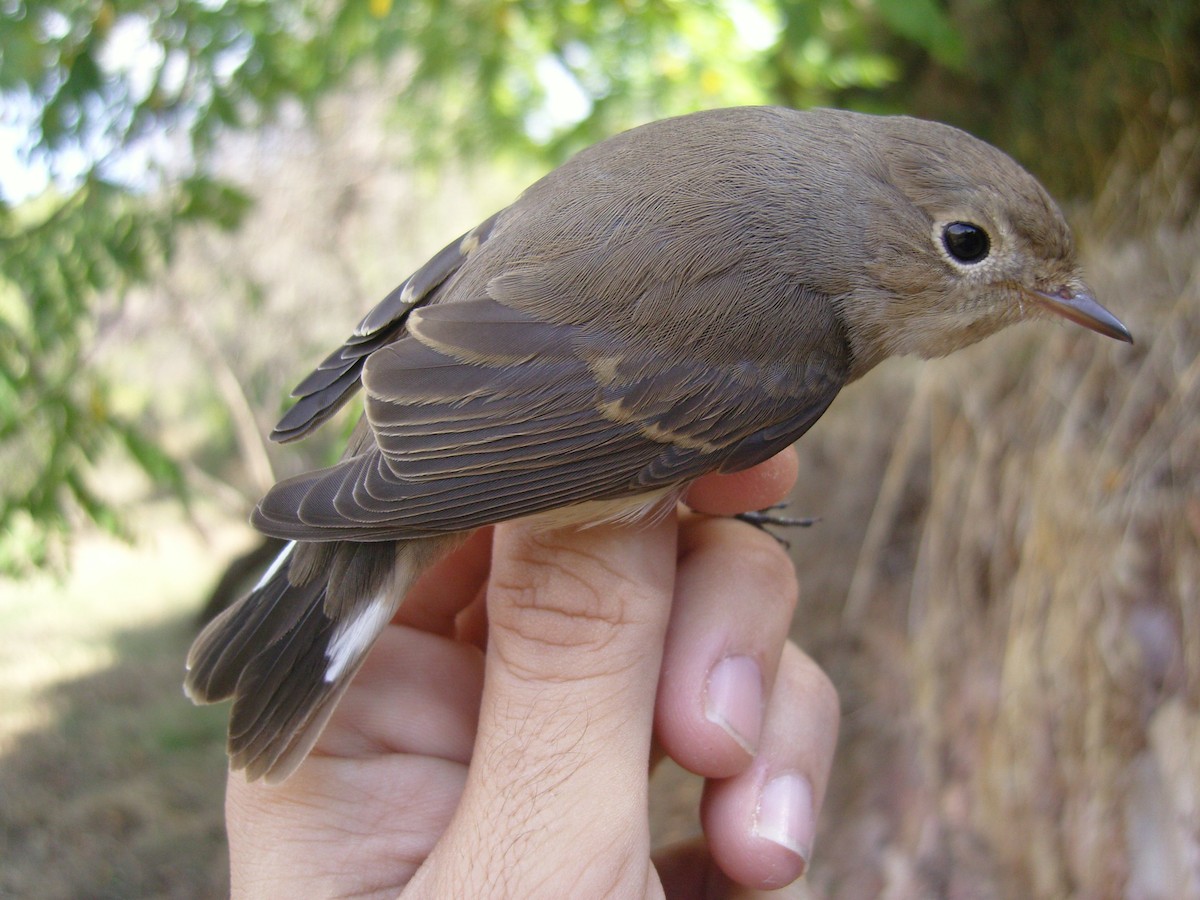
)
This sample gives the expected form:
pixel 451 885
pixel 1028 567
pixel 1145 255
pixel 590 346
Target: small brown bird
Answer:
pixel 684 298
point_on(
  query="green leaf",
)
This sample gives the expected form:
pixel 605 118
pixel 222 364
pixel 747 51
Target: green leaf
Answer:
pixel 925 23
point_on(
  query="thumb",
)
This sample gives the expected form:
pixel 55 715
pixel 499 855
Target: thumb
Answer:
pixel 556 795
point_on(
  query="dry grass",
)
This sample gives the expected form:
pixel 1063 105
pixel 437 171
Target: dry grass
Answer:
pixel 1019 651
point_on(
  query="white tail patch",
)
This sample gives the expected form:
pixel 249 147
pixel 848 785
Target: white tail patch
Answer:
pixel 353 637
pixel 276 566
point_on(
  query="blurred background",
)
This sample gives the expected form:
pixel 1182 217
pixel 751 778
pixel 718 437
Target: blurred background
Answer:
pixel 199 199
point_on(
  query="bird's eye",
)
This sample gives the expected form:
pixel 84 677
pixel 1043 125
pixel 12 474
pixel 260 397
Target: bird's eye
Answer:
pixel 966 242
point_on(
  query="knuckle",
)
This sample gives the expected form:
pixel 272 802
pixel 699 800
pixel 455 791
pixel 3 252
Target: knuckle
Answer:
pixel 764 564
pixel 563 598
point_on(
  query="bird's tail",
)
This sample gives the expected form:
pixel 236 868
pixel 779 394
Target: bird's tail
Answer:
pixel 288 650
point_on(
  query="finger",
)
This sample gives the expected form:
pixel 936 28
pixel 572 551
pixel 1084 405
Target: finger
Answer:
pixel 735 592
pixel 417 693
pixel 448 586
pixel 336 829
pixel 687 871
pixel 760 824
pixel 756 488
pixel 576 626
pixel 366 807
pixel 471 624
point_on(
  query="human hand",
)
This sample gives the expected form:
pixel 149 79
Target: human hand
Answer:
pixel 451 770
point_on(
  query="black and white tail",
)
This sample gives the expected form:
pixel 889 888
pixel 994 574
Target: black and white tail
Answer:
pixel 288 650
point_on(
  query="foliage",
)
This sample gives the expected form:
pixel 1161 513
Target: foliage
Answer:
pixel 1084 93
pixel 117 109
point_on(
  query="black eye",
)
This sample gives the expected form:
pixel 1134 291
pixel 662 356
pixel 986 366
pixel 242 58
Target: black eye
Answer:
pixel 966 242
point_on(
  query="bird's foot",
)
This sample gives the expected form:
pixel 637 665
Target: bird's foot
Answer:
pixel 767 519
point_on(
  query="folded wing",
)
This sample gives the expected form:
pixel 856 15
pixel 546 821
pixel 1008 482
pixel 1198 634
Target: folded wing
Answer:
pixel 482 412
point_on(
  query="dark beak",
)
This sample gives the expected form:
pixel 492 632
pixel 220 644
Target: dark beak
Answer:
pixel 1080 308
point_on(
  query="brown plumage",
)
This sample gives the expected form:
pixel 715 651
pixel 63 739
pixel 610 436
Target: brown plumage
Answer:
pixel 684 298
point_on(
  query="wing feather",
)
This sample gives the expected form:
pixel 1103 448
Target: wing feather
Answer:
pixel 482 413
pixel 337 378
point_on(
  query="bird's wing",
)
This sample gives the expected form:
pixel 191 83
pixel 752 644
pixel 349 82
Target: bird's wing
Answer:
pixel 335 380
pixel 483 412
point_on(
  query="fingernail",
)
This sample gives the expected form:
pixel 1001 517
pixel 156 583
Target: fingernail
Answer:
pixel 785 814
pixel 733 700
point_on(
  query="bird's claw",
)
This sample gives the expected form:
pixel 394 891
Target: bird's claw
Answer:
pixel 766 519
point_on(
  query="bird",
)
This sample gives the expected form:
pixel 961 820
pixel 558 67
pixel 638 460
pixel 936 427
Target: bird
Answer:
pixel 685 297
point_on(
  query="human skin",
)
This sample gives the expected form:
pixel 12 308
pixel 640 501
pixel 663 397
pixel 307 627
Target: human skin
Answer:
pixel 496 741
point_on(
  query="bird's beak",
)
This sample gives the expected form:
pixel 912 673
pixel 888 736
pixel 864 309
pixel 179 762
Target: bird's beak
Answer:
pixel 1080 308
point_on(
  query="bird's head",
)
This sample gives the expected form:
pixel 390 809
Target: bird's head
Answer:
pixel 962 242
